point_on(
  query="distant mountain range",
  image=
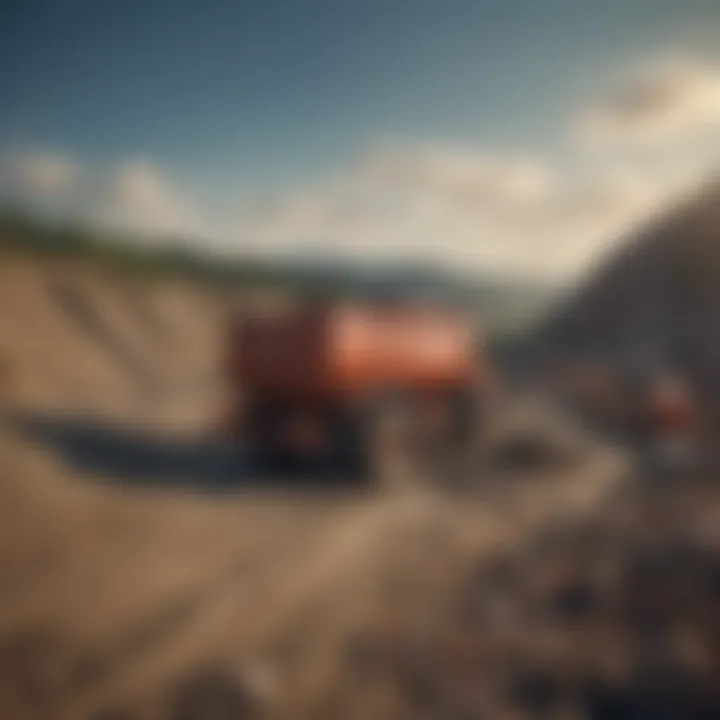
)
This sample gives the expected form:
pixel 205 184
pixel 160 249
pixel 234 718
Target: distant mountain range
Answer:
pixel 498 302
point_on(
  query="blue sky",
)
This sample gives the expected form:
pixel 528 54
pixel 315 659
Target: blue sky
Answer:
pixel 236 100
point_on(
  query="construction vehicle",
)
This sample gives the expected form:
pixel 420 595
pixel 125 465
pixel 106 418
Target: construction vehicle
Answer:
pixel 671 422
pixel 354 386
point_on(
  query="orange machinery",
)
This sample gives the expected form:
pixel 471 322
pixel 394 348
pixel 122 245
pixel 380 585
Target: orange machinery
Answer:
pixel 317 380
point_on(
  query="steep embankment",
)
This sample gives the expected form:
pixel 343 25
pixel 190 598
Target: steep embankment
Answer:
pixel 77 337
pixel 655 302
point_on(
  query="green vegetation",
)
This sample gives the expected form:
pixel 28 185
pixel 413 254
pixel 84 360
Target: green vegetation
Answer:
pixel 21 234
pixel 500 305
pixel 314 277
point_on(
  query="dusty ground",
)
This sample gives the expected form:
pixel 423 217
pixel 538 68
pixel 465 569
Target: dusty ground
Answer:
pixel 144 574
pixel 115 596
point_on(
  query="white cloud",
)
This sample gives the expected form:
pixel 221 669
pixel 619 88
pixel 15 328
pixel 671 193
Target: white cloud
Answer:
pixel 437 203
pixel 465 207
pixel 133 196
pixel 660 103
pixel 544 215
pixel 504 213
pixel 38 174
pixel 137 197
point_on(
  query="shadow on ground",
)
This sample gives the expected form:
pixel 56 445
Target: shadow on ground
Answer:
pixel 134 457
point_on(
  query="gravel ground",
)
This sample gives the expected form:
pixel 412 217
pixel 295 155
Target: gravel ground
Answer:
pixel 125 592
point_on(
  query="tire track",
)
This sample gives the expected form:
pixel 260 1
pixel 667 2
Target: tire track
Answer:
pixel 196 625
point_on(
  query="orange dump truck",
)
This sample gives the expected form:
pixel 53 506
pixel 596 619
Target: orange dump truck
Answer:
pixel 328 383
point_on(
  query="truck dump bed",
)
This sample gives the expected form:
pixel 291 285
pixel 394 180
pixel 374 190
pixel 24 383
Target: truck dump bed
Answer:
pixel 348 348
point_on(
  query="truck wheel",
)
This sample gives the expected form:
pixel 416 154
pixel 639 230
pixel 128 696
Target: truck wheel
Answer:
pixel 259 437
pixel 447 447
pixel 346 452
pixel 391 455
pixel 465 435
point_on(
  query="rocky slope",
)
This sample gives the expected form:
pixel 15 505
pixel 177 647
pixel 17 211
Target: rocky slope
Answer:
pixel 655 302
pixel 87 341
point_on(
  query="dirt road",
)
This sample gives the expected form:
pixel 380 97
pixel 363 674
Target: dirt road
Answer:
pixel 127 599
pixel 143 572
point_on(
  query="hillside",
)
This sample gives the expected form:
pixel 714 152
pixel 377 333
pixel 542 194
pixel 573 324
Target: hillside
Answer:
pixel 147 573
pixel 655 302
pixel 80 338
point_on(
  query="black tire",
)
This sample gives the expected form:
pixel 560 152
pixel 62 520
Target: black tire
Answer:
pixel 262 420
pixel 390 448
pixel 347 456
